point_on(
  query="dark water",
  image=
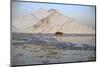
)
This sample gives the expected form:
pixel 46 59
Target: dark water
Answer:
pixel 67 40
pixel 29 48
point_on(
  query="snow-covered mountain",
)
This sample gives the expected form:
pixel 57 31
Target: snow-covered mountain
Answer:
pixel 51 21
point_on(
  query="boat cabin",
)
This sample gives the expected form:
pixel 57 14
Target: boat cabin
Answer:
pixel 58 33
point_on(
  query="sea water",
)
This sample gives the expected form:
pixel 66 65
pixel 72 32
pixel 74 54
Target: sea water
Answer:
pixel 28 48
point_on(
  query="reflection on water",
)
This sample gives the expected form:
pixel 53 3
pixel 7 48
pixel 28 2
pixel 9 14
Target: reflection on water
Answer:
pixel 28 48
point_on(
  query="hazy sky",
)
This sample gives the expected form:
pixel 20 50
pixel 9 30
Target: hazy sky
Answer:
pixel 83 14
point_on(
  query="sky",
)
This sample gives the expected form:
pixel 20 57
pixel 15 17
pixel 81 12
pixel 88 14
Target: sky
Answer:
pixel 83 14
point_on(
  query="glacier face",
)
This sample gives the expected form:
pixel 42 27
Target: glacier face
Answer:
pixel 43 21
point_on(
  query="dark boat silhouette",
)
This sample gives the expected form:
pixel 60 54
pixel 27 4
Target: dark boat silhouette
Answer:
pixel 58 33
